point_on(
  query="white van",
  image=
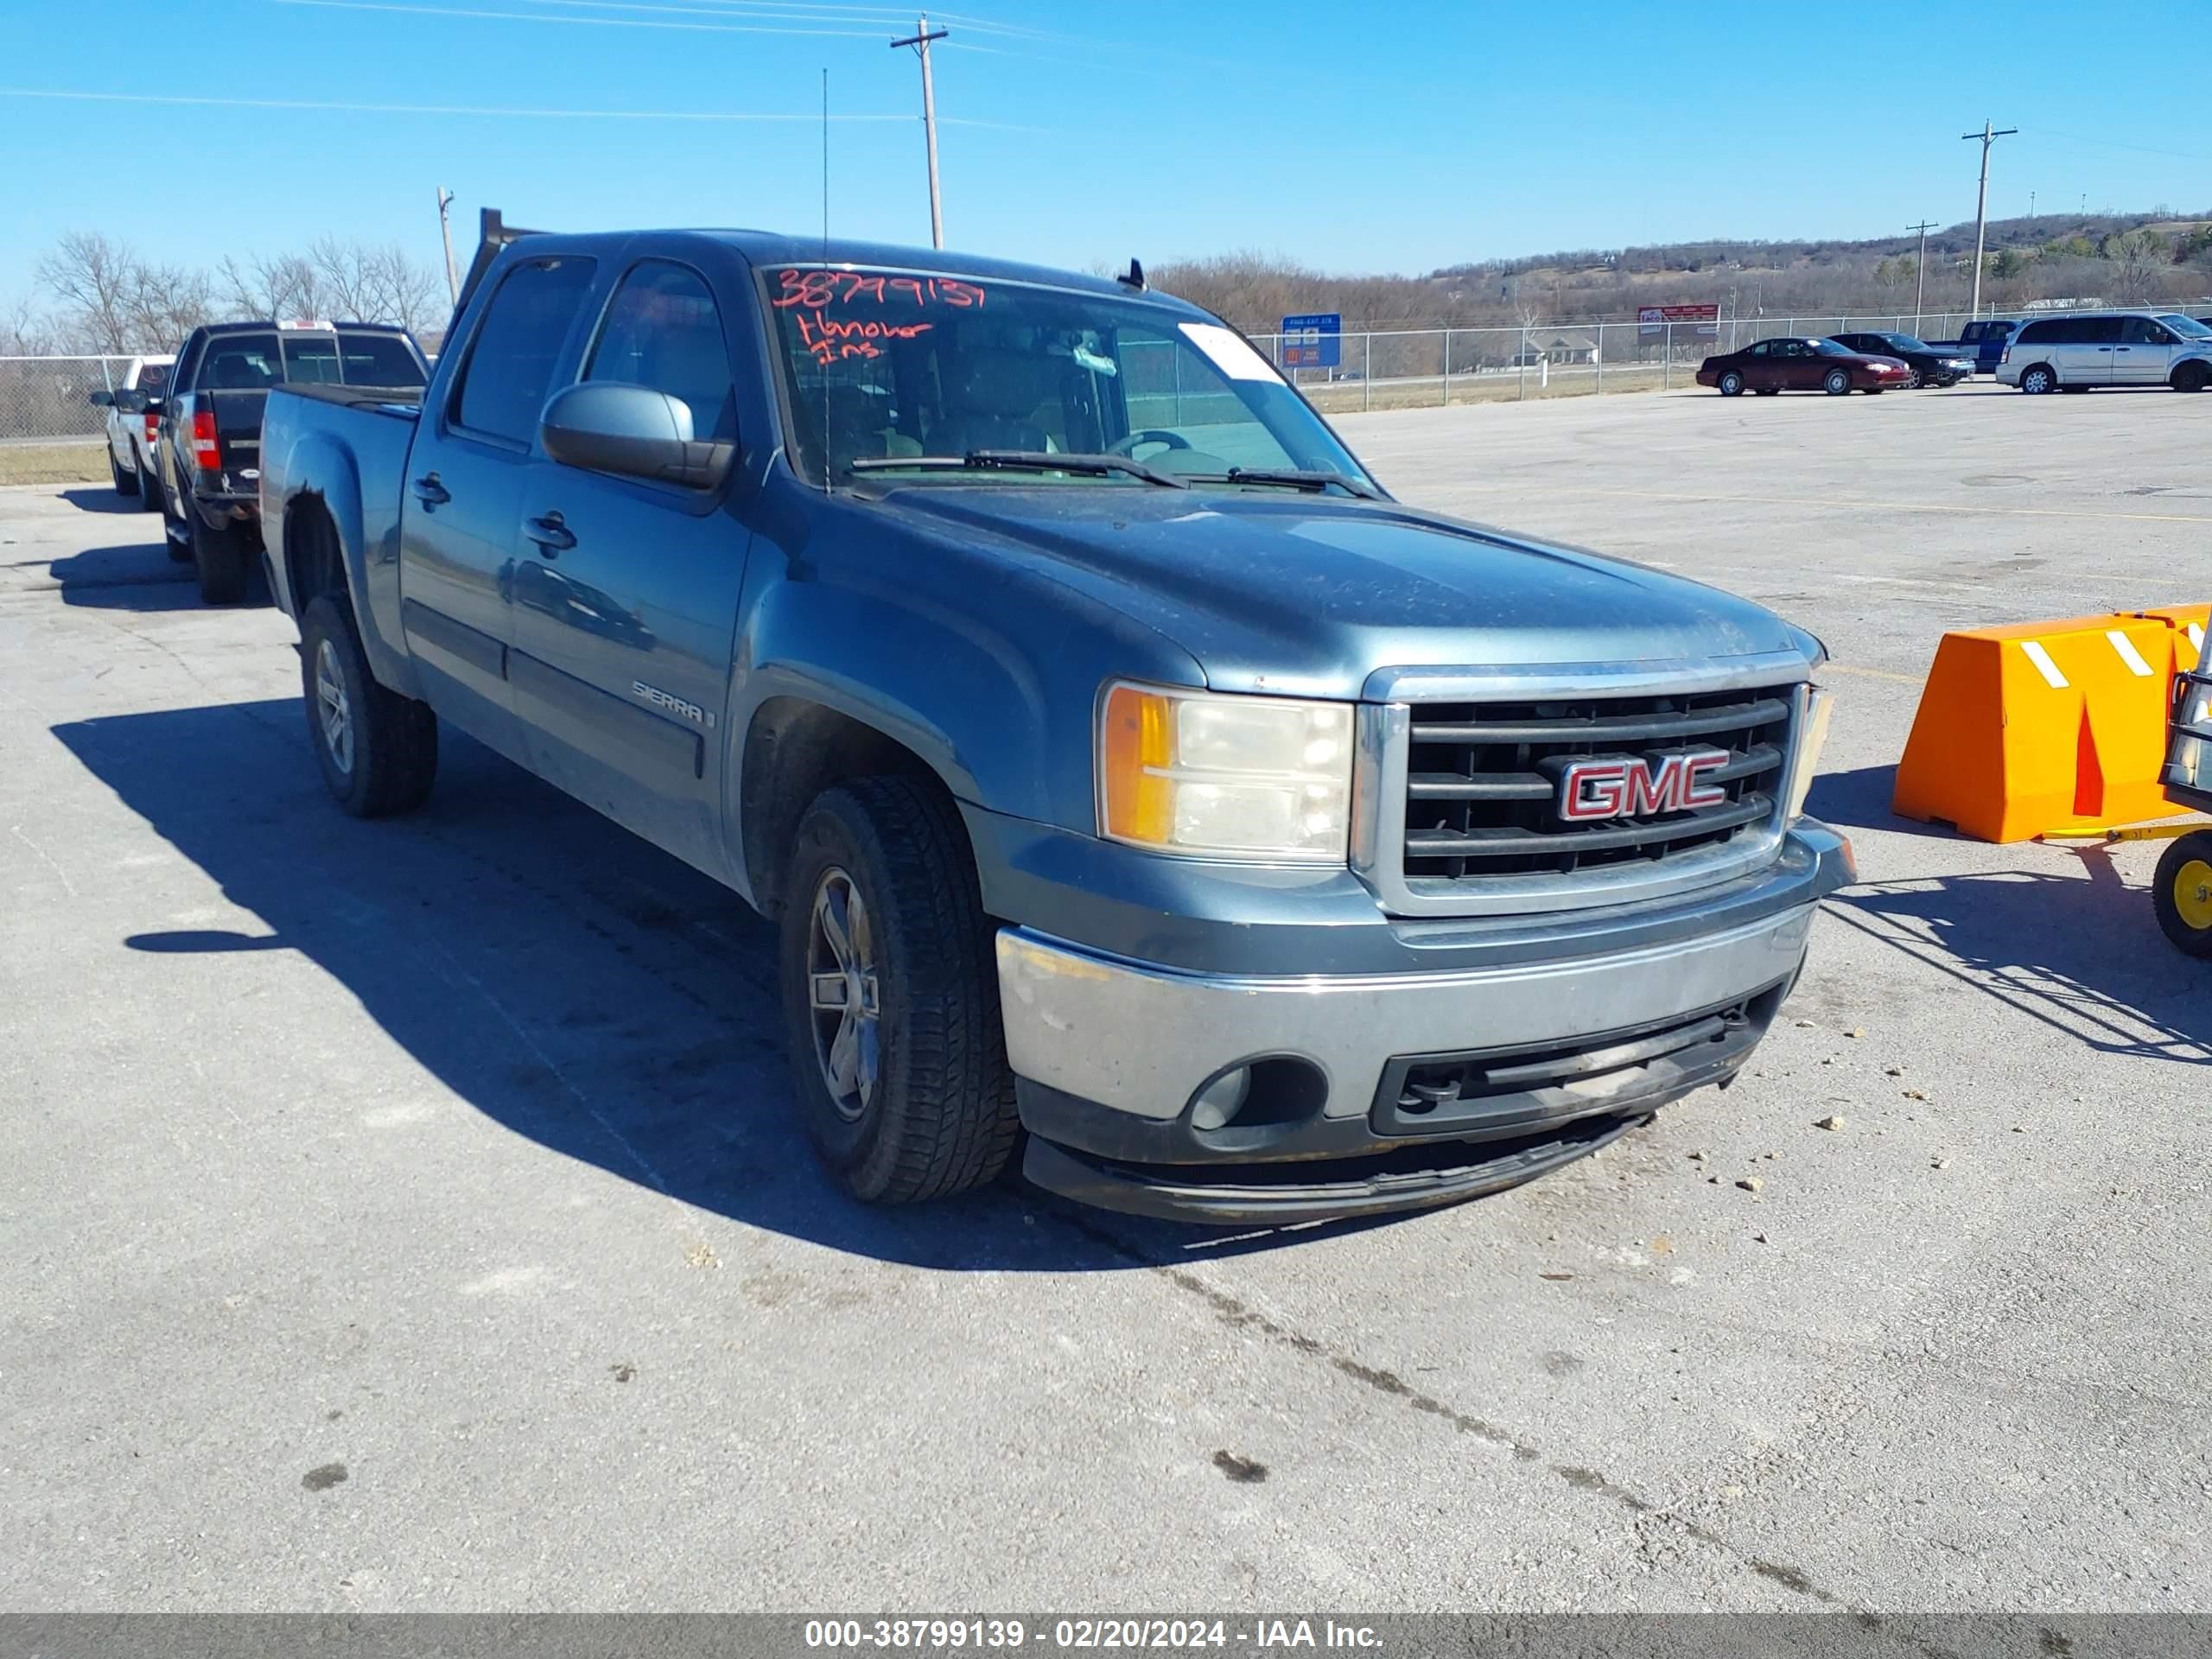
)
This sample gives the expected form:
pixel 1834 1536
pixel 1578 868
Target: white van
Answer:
pixel 2081 349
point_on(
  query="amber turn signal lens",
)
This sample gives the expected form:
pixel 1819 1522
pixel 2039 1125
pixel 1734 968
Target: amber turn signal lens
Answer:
pixel 1136 750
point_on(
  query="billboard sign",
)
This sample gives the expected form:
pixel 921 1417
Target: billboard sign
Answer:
pixel 1651 321
pixel 1314 340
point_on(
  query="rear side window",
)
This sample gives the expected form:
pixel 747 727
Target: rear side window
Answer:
pixel 241 363
pixel 2041 333
pixel 2098 331
pixel 153 378
pixel 510 367
pixel 663 331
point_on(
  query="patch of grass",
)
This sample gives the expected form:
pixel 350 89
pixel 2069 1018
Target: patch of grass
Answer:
pixel 54 463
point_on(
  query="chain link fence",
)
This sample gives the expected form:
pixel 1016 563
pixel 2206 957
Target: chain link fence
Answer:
pixel 44 399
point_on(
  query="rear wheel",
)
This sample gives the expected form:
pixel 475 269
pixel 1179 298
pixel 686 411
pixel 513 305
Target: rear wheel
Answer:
pixel 149 487
pixel 1732 384
pixel 379 751
pixel 2181 892
pixel 1838 383
pixel 125 483
pixel 2038 378
pixel 891 1006
pixel 2192 376
pixel 219 557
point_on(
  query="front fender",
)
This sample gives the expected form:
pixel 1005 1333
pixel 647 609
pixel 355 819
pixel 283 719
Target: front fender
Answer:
pixel 989 674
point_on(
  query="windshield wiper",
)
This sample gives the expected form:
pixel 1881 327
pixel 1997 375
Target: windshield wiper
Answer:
pixel 1298 479
pixel 1020 460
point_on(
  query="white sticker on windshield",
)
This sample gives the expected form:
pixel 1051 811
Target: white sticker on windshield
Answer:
pixel 1227 351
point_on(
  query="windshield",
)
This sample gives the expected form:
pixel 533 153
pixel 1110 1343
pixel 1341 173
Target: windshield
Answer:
pixel 882 366
pixel 1829 348
pixel 1902 342
pixel 2187 327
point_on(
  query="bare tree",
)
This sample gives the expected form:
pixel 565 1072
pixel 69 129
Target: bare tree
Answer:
pixel 25 331
pixel 284 287
pixel 167 303
pixel 93 279
pixel 2137 256
pixel 366 282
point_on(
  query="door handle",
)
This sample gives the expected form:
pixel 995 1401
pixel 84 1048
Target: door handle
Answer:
pixel 2106 348
pixel 430 493
pixel 551 533
pixel 2124 348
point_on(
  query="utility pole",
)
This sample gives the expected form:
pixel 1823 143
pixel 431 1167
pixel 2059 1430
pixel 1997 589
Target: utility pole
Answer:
pixel 1920 271
pixel 445 229
pixel 919 39
pixel 1981 202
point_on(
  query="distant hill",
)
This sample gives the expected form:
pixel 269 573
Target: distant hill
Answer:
pixel 2122 258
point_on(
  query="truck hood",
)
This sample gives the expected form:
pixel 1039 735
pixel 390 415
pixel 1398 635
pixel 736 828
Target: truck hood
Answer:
pixel 1308 595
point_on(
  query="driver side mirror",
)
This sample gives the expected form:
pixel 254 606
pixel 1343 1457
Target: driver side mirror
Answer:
pixel 610 426
pixel 132 402
pixel 101 399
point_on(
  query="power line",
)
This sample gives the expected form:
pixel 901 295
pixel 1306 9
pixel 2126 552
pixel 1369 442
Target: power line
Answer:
pixel 919 39
pixel 562 114
pixel 1981 203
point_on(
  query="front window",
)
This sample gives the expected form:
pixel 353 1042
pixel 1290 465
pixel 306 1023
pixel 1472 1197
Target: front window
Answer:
pixel 2187 327
pixel 883 366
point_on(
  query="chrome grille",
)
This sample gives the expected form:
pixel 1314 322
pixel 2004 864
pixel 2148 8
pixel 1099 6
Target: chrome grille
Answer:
pixel 1482 785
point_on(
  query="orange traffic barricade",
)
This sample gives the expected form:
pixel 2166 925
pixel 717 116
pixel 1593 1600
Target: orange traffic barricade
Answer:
pixel 2047 728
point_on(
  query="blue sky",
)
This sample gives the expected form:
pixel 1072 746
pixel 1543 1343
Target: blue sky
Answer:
pixel 1398 136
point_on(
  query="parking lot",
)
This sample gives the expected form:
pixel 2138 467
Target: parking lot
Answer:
pixel 408 1214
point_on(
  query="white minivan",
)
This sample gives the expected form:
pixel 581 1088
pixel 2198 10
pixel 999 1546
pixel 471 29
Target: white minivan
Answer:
pixel 2078 350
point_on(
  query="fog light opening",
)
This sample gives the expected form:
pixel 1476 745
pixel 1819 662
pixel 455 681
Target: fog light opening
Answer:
pixel 1213 1106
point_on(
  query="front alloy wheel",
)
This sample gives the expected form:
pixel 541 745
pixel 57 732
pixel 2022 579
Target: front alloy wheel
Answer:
pixel 843 994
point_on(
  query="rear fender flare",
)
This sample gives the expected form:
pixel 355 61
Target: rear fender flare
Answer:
pixel 320 473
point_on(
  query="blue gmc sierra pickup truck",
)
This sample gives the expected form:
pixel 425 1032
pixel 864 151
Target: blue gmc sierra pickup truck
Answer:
pixel 1137 786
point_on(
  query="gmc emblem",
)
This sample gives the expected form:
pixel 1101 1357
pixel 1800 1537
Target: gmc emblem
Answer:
pixel 1627 786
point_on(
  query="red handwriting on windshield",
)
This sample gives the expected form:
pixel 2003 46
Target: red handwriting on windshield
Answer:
pixel 816 290
pixel 829 339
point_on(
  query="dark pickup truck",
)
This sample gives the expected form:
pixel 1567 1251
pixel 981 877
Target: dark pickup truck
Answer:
pixel 1983 342
pixel 206 448
pixel 1138 786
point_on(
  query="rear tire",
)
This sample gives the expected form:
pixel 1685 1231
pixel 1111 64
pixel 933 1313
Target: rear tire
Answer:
pixel 2038 378
pixel 219 555
pixel 915 1100
pixel 2181 892
pixel 1838 383
pixel 125 483
pixel 1732 384
pixel 379 751
pixel 150 487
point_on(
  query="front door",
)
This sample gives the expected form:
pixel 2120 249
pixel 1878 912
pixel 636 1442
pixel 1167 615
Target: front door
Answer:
pixel 625 591
pixel 1802 368
pixel 2144 353
pixel 463 493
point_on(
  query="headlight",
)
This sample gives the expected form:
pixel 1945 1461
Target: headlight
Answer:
pixel 1818 705
pixel 1225 777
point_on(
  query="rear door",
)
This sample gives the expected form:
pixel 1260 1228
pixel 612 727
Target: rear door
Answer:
pixel 2086 351
pixel 625 591
pixel 461 500
pixel 2144 355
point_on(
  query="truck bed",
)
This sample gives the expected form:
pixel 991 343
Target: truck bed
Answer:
pixel 402 402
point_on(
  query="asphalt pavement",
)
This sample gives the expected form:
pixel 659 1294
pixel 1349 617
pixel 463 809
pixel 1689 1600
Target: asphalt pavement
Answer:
pixel 409 1215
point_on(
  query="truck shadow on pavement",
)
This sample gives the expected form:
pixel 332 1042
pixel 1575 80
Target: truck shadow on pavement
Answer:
pixel 102 499
pixel 565 979
pixel 136 576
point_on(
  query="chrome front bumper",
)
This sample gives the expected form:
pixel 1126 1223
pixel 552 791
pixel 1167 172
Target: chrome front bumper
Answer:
pixel 1110 1055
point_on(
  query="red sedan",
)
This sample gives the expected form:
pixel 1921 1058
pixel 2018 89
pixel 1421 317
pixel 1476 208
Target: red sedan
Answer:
pixel 1767 366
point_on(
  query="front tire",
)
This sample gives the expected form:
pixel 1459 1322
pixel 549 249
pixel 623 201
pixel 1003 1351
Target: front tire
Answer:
pixel 1838 383
pixel 1732 384
pixel 378 750
pixel 891 1006
pixel 2038 378
pixel 2181 892
pixel 2192 376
